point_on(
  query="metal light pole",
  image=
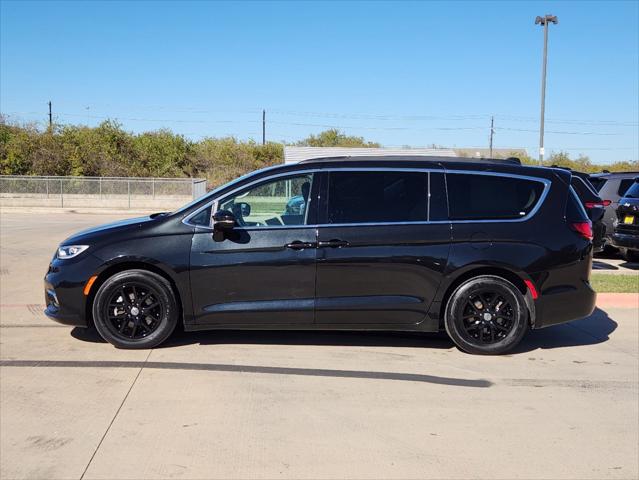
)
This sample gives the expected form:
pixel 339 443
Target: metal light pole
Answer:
pixel 543 21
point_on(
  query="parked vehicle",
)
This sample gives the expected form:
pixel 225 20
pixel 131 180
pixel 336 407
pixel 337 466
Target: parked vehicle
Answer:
pixel 595 208
pixel 592 202
pixel 626 236
pixel 484 250
pixel 611 186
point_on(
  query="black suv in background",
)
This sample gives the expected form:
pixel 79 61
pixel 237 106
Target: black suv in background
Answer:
pixel 626 236
pixel 483 249
pixel 611 187
pixel 595 207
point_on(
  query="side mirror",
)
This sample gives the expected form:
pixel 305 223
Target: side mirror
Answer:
pixel 242 209
pixel 223 220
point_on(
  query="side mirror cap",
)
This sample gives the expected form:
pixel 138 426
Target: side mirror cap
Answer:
pixel 223 220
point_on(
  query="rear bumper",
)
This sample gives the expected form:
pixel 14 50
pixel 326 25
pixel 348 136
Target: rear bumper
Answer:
pixel 564 304
pixel 626 240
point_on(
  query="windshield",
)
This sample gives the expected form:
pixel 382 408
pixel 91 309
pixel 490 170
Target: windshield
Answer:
pixel 220 188
pixel 633 191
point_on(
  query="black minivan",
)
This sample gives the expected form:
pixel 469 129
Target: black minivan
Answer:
pixel 484 249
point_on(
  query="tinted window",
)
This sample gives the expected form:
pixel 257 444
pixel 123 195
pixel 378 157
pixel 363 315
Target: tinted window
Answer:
pixel 574 209
pixel 633 191
pixel 284 201
pixel 373 197
pixel 597 182
pixel 624 185
pixel 583 190
pixel 203 218
pixel 486 197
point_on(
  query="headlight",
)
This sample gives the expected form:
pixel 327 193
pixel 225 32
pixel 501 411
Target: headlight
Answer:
pixel 70 251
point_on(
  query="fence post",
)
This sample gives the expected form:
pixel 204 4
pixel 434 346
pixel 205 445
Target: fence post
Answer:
pixel 193 189
pixel 128 188
pixel 47 183
pixel 153 186
pixel 100 181
pixel 61 195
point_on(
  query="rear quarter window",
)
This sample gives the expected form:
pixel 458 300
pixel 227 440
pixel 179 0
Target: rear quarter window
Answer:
pixel 598 183
pixel 575 211
pixel 491 197
pixel 624 185
pixel 633 191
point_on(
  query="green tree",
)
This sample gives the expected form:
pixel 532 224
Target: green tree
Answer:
pixel 335 138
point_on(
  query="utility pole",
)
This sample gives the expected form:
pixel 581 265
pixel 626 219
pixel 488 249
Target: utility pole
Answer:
pixel 492 132
pixel 50 117
pixel 263 127
pixel 544 22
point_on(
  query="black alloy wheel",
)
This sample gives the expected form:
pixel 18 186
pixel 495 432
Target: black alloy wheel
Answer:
pixel 135 309
pixel 486 315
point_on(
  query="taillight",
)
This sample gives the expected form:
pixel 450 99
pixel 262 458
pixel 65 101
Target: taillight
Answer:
pixel 583 228
pixel 602 204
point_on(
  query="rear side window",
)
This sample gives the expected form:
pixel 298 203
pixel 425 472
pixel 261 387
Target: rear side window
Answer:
pixel 598 183
pixel 574 209
pixel 624 185
pixel 583 190
pixel 491 197
pixel 375 197
pixel 633 191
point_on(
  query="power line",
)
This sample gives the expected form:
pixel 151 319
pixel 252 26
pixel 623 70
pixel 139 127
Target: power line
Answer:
pixel 558 132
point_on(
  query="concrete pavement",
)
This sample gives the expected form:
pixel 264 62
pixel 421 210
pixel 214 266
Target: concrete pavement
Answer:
pixel 303 404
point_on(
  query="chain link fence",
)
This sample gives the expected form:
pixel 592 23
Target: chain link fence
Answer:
pixel 99 192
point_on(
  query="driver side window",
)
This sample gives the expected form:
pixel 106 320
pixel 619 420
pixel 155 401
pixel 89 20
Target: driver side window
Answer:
pixel 284 201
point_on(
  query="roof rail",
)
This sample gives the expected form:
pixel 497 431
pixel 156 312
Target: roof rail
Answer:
pixel 416 158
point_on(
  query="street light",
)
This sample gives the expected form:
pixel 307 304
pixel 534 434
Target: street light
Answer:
pixel 543 21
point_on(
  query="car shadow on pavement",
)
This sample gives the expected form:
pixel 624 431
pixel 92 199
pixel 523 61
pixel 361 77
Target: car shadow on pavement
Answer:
pixel 588 331
pixel 290 337
pixel 599 265
pixel 302 337
pixel 591 330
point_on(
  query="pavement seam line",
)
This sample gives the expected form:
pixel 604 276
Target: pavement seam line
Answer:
pixel 115 416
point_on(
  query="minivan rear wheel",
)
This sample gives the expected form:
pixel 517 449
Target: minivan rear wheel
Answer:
pixel 135 309
pixel 486 315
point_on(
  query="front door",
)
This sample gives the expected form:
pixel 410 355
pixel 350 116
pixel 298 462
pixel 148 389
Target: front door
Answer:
pixel 262 272
pixel 380 260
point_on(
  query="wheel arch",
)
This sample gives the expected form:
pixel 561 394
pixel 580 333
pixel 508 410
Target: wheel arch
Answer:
pixel 121 266
pixel 497 271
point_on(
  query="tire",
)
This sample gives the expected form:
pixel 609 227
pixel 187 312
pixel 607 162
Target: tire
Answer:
pixel 486 315
pixel 631 256
pixel 135 309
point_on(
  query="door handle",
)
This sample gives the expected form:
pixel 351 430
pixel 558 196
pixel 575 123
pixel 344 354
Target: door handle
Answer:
pixel 298 245
pixel 334 243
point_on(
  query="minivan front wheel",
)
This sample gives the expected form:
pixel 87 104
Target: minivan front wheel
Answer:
pixel 486 315
pixel 135 309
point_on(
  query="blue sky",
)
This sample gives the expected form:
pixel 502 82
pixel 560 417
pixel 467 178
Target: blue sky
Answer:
pixel 399 73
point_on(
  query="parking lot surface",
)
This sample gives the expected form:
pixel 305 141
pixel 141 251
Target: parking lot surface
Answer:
pixel 303 405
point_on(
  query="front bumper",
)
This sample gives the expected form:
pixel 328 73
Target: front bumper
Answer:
pixel 626 240
pixel 63 289
pixel 564 304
